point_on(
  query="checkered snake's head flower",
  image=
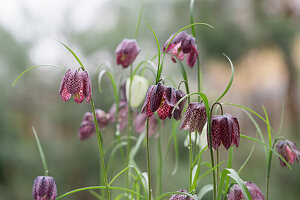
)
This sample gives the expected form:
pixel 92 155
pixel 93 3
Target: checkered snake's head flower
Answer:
pixel 87 126
pixel 139 86
pixel 161 99
pixel 44 188
pixel 182 196
pixel 235 192
pixel 140 120
pixel 77 84
pixel 224 129
pixel 194 118
pixel 122 116
pixel 126 52
pixel 288 151
pixel 181 45
pixel 177 112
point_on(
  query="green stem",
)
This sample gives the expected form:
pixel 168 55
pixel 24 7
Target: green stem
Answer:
pixel 148 162
pixel 191 159
pixel 211 154
pixel 100 149
pixel 218 169
pixel 159 162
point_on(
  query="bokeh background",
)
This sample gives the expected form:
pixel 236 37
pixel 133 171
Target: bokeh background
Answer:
pixel 261 37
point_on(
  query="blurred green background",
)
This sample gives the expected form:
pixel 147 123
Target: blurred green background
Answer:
pixel 261 37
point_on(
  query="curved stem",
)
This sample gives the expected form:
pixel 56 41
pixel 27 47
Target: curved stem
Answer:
pixel 148 162
pixel 100 149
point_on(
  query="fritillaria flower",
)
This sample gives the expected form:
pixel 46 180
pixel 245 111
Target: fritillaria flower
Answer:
pixel 87 126
pixel 77 84
pixel 44 188
pixel 182 196
pixel 194 118
pixel 140 120
pixel 126 52
pixel 177 112
pixel 182 44
pixel 224 129
pixel 161 99
pixel 139 86
pixel 235 192
pixel 122 116
pixel 288 151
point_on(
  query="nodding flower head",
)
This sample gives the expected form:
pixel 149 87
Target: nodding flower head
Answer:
pixel 235 192
pixel 178 110
pixel 77 84
pixel 182 196
pixel 194 118
pixel 122 116
pixel 161 99
pixel 44 188
pixel 126 52
pixel 224 129
pixel 87 126
pixel 288 151
pixel 182 44
pixel 139 87
pixel 140 120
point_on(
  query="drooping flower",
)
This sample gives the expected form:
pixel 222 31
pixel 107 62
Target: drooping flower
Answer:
pixel 140 120
pixel 126 52
pixel 224 129
pixel 182 44
pixel 87 126
pixel 139 86
pixel 194 118
pixel 77 84
pixel 177 112
pixel 288 151
pixel 235 192
pixel 44 188
pixel 182 196
pixel 122 116
pixel 161 99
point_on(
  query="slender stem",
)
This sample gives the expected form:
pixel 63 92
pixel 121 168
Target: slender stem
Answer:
pixel 190 159
pixel 195 145
pixel 211 153
pixel 218 169
pixel 100 149
pixel 159 161
pixel 148 162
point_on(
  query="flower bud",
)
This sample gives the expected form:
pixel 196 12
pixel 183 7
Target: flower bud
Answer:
pixel 126 52
pixel 139 86
pixel 288 151
pixel 44 188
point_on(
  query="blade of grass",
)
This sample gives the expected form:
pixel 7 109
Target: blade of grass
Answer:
pixel 41 151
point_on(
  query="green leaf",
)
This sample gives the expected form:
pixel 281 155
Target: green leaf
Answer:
pixel 27 70
pixel 204 190
pixel 230 81
pixel 41 151
pixel 139 22
pixel 246 161
pixel 229 165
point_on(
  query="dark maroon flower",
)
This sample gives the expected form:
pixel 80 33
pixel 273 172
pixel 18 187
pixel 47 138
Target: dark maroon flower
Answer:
pixel 182 196
pixel 288 151
pixel 225 129
pixel 126 52
pixel 235 192
pixel 44 188
pixel 161 99
pixel 122 116
pixel 177 112
pixel 194 118
pixel 87 126
pixel 77 84
pixel 182 44
pixel 140 120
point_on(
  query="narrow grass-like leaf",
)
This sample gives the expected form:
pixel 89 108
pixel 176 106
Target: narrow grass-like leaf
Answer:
pixel 139 22
pixel 281 120
pixel 95 194
pixel 98 187
pixel 41 151
pixel 192 17
pixel 246 161
pixel 229 165
pixel 204 190
pixel 75 56
pixel 113 152
pixel 268 147
pixel 151 66
pixel 137 146
pixel 27 70
pixel 210 170
pixel 199 154
pixel 230 81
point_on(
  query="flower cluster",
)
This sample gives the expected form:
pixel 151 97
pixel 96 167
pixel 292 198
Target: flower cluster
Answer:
pixel 182 44
pixel 235 192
